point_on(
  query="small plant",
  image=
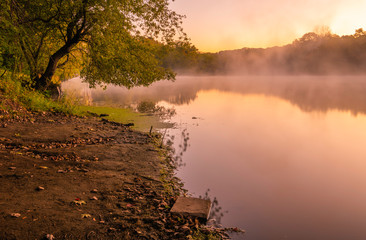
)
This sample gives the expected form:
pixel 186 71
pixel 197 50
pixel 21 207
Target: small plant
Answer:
pixel 153 108
pixel 146 107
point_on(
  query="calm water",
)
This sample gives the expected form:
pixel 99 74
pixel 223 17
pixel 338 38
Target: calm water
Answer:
pixel 284 156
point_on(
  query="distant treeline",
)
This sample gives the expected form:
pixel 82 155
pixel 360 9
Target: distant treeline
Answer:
pixel 313 53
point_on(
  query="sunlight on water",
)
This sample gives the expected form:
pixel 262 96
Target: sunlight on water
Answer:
pixel 280 172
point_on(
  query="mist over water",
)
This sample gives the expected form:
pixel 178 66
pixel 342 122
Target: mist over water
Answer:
pixel 284 156
pixel 310 93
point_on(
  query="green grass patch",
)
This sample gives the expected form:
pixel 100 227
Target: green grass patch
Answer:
pixel 33 100
pixel 141 121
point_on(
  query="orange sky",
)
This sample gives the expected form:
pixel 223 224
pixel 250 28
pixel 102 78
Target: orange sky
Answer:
pixel 215 25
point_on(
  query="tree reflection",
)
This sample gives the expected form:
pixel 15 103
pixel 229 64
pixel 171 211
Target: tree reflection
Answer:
pixel 216 213
pixel 150 107
pixel 178 149
pixel 310 93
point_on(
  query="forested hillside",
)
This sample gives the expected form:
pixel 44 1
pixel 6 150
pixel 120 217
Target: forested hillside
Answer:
pixel 313 53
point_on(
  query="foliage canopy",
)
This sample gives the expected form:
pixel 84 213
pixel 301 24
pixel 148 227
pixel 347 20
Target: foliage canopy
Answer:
pixel 112 41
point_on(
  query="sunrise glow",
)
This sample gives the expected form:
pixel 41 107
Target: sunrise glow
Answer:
pixel 234 24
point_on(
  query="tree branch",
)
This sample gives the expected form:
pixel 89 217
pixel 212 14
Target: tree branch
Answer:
pixel 36 53
pixel 3 73
pixel 64 63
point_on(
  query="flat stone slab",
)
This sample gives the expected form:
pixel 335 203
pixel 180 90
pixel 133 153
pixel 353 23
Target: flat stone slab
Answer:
pixel 194 207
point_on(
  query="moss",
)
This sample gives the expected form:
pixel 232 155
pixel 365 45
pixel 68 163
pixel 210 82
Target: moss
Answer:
pixel 142 122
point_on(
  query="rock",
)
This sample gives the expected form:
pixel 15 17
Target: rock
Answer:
pixel 194 207
pixel 94 191
pixel 94 198
pixel 12 168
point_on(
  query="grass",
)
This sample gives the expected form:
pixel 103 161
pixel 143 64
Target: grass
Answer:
pixel 141 121
pixel 12 89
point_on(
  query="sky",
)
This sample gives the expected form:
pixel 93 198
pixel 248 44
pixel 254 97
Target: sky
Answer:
pixel 215 25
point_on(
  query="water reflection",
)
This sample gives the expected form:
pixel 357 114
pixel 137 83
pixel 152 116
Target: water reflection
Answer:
pixel 216 213
pixel 309 93
pixel 281 172
pixel 178 149
pixel 285 156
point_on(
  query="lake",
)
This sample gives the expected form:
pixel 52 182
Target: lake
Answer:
pixel 285 157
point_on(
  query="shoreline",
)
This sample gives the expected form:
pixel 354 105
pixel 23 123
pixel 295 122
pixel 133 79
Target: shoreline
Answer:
pixel 67 177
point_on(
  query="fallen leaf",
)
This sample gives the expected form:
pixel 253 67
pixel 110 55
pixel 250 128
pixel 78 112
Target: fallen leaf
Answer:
pixel 39 188
pixel 50 237
pixel 42 167
pixel 15 215
pixel 80 202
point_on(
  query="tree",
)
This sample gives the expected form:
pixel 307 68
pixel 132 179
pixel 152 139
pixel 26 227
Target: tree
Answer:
pixel 359 33
pixel 113 38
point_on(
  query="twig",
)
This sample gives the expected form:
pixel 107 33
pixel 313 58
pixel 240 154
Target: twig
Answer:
pixel 162 139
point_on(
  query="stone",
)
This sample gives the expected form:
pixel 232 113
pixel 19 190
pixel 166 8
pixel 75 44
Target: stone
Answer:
pixel 194 207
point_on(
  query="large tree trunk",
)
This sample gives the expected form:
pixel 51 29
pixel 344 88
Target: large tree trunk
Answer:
pixel 45 81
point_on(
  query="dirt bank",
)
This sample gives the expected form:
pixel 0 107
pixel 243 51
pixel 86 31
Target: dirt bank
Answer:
pixel 65 177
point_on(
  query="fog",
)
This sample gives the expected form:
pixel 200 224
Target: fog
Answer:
pixel 309 93
pixel 315 53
